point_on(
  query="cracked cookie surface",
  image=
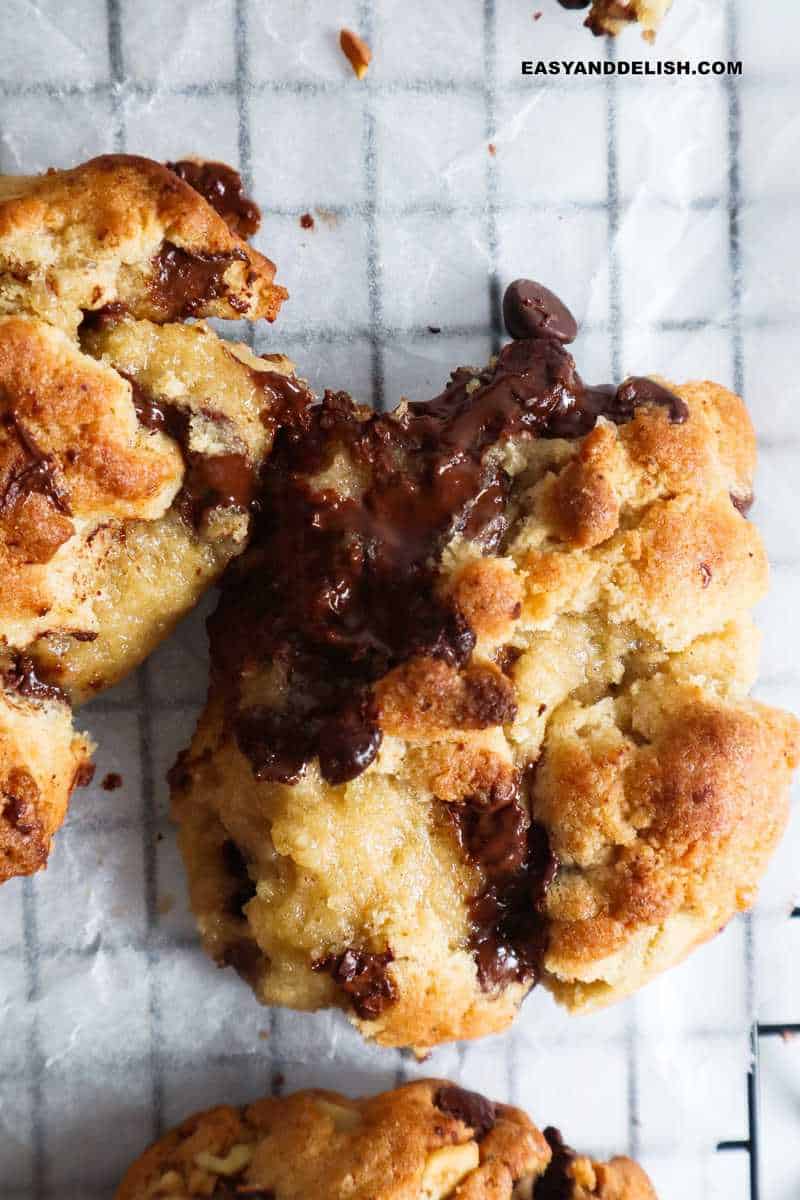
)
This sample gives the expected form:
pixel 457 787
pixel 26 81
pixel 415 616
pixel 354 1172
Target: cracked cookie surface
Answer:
pixel 426 1141
pixel 130 443
pixel 478 713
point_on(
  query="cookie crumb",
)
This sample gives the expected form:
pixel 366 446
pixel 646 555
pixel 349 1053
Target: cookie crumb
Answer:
pixel 434 329
pixel 165 904
pixel 307 221
pixel 537 16
pixel 492 149
pixel 356 51
pixel 111 781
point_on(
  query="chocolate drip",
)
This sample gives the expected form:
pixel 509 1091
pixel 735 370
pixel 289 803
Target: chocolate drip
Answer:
pixel 557 1182
pixel 364 978
pixel 222 187
pixel 20 676
pixel 184 281
pixel 473 1109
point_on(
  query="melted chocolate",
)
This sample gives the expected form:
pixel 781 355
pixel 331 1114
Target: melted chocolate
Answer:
pixel 184 282
pixel 211 480
pixel 33 471
pixel 556 1183
pixel 338 588
pixel 222 187
pixel 470 1107
pixel 20 676
pixel 509 928
pixel 364 978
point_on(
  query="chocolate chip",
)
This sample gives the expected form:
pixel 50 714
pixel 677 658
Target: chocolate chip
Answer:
pixel 531 310
pixel 470 1107
pixel 574 4
pixel 111 781
pixel 364 978
pixel 307 221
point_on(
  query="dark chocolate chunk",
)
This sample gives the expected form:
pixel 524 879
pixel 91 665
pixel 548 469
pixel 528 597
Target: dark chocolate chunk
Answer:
pixel 531 310
pixel 574 4
pixel 557 1182
pixel 184 281
pixel 222 187
pixel 470 1107
pixel 363 976
pixel 111 782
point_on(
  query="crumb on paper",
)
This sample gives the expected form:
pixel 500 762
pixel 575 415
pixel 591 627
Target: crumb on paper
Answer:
pixel 307 221
pixel 278 1080
pixel 537 16
pixel 165 904
pixel 111 781
pixel 356 51
pixel 434 329
pixel 492 149
pixel 263 1035
pixel 331 219
pixel 159 837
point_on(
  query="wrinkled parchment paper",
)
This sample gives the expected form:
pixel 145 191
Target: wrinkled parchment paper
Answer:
pixel 662 211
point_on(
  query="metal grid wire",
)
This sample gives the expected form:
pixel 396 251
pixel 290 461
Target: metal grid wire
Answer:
pixel 155 1068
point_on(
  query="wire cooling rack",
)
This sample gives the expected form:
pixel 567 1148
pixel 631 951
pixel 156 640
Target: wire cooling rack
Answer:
pixel 668 210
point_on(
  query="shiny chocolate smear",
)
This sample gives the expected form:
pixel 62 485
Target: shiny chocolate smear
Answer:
pixel 20 676
pixel 222 187
pixel 184 281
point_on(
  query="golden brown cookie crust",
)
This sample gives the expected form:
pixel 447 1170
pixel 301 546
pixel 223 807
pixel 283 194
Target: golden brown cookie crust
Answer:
pixel 614 651
pixel 425 1141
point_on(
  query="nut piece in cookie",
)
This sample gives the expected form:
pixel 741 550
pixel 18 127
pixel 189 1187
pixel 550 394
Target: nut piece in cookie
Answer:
pixel 429 1140
pixel 130 447
pixel 612 16
pixel 483 722
pixel 125 231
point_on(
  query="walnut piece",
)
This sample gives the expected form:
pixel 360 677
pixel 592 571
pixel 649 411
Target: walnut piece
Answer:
pixel 356 51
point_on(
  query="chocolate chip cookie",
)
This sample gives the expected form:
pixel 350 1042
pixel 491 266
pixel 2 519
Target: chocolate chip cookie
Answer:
pixel 478 714
pixel 130 443
pixel 426 1140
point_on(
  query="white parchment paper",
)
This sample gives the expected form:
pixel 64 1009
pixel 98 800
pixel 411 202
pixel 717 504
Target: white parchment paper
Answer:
pixel 663 212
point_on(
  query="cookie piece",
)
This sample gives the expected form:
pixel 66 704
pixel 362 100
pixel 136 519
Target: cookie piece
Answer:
pixel 484 721
pixel 428 1139
pixel 129 449
pixel 41 760
pixel 123 230
pixel 612 16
